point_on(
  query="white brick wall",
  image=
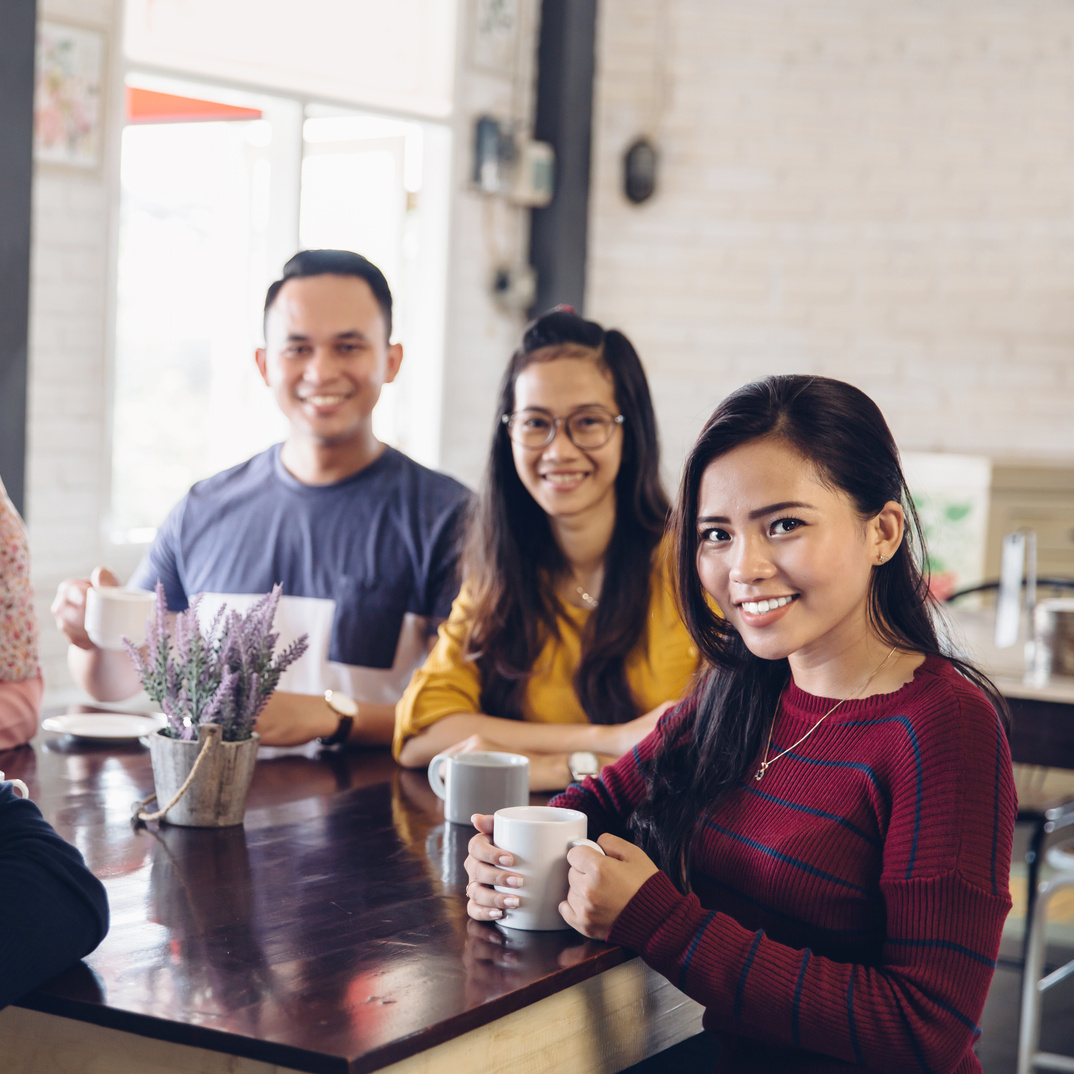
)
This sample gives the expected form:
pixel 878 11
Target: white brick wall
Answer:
pixel 480 335
pixel 67 462
pixel 874 191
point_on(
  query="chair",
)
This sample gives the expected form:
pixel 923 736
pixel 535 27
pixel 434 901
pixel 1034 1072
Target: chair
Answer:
pixel 1045 795
pixel 1045 800
pixel 1034 985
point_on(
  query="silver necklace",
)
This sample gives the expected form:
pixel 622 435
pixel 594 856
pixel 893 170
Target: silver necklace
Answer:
pixel 766 764
pixel 587 600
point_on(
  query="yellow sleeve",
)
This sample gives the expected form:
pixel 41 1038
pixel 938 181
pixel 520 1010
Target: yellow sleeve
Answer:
pixel 664 668
pixel 448 681
pixel 675 656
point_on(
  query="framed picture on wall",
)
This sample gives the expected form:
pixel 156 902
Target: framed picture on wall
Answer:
pixel 69 95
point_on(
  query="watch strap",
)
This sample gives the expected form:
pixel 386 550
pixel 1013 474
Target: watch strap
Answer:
pixel 342 732
pixel 346 708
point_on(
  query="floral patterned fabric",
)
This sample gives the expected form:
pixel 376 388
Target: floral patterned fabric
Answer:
pixel 18 625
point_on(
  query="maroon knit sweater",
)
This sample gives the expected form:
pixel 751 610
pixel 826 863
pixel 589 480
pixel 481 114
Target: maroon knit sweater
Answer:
pixel 846 909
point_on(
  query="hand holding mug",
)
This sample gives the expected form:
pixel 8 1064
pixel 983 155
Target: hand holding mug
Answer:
pixel 526 865
pixel 601 885
pixel 488 868
pixel 69 605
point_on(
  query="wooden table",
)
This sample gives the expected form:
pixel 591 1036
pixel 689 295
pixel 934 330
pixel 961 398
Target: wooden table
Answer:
pixel 328 933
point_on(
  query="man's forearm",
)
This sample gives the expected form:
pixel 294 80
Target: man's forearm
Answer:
pixel 105 674
pixel 374 726
pixel 294 719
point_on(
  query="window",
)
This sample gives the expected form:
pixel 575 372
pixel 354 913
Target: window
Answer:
pixel 219 188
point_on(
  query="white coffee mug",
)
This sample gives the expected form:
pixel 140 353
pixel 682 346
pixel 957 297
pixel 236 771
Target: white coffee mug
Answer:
pixel 479 782
pixel 113 614
pixel 20 787
pixel 538 837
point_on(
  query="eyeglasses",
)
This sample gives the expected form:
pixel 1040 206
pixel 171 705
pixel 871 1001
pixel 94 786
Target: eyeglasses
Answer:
pixel 587 427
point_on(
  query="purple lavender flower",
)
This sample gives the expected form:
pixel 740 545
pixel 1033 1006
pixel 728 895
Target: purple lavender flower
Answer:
pixel 223 675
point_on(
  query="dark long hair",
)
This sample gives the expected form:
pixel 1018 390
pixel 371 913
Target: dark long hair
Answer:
pixel 841 431
pixel 511 560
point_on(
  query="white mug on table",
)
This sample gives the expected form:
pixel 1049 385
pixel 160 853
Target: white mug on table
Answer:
pixel 479 782
pixel 539 837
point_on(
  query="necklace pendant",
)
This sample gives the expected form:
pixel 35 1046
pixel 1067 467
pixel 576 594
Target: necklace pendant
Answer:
pixel 760 772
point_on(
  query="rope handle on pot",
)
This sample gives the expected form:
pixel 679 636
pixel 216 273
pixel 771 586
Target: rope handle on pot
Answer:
pixel 140 816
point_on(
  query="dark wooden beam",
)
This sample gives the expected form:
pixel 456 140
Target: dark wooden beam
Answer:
pixel 17 25
pixel 565 67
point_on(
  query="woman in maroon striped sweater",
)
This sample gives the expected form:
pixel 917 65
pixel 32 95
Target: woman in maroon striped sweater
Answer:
pixel 815 844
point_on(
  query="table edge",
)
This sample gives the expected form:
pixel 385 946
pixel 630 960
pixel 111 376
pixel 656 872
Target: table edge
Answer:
pixel 288 1055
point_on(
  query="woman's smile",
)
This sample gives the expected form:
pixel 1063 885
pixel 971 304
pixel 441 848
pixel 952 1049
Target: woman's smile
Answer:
pixel 764 612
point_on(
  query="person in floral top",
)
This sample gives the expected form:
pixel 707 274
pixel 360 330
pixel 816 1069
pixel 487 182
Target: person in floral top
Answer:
pixel 21 685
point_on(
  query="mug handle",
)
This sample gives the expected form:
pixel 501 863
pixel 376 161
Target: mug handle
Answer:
pixel 20 788
pixel 586 843
pixel 436 779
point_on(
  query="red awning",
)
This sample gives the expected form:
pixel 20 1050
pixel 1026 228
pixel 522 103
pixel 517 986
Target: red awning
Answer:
pixel 148 106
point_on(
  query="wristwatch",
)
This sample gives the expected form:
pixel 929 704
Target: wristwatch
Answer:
pixel 346 708
pixel 582 763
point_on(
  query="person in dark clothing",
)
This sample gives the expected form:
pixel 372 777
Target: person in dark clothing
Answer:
pixel 53 910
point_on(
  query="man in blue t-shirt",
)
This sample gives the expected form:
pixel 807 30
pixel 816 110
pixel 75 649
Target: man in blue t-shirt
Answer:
pixel 362 538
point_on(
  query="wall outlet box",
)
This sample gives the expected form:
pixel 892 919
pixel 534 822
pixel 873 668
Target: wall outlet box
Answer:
pixel 535 175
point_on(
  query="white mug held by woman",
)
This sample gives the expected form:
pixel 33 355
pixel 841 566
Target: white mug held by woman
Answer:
pixel 539 837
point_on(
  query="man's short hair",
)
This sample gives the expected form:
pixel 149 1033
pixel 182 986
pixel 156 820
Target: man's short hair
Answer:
pixel 336 263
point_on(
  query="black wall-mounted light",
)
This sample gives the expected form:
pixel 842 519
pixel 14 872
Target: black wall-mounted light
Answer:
pixel 639 171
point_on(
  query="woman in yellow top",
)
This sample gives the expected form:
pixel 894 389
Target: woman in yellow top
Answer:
pixel 565 643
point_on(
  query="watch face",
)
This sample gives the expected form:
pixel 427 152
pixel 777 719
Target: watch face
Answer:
pixel 583 763
pixel 344 705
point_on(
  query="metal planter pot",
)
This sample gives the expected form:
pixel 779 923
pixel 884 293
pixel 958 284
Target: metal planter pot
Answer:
pixel 216 797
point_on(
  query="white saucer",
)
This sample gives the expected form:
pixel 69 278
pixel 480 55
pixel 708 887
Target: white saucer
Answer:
pixel 103 725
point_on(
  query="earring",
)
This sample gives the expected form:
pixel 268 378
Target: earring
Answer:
pixel 883 558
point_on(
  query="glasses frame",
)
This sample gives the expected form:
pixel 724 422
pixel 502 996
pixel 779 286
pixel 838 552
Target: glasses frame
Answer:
pixel 509 420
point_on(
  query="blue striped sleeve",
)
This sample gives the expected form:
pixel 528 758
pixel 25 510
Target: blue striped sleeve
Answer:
pixel 850 1020
pixel 796 1005
pixel 740 990
pixel 692 948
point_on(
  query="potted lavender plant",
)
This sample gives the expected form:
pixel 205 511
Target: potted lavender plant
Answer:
pixel 210 685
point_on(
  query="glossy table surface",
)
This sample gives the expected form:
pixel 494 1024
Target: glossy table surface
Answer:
pixel 328 933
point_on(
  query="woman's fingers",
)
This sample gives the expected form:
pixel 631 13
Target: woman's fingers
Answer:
pixel 483 903
pixel 482 849
pixel 486 864
pixel 483 873
pixel 487 867
pixel 483 822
